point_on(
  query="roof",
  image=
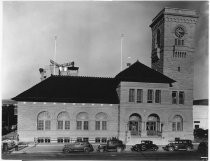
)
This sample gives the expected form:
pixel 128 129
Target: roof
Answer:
pixel 139 72
pixel 75 89
pixel 201 102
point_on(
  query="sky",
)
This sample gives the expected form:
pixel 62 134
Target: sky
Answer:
pixel 88 33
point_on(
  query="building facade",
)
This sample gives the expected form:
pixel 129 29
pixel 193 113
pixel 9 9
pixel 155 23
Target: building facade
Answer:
pixel 138 103
pixel 200 114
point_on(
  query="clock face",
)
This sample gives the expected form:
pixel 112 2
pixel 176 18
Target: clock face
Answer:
pixel 179 32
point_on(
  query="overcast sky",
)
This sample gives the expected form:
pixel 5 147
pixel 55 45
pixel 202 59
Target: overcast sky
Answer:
pixel 89 34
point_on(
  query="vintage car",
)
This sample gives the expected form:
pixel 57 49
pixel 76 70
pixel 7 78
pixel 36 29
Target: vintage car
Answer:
pixel 112 145
pixel 179 145
pixel 203 149
pixel 78 146
pixel 145 145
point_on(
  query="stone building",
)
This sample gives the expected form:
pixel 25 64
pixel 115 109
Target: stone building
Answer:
pixel 200 114
pixel 138 103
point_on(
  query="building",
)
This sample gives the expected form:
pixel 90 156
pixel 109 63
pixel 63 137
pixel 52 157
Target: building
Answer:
pixel 9 116
pixel 200 114
pixel 138 103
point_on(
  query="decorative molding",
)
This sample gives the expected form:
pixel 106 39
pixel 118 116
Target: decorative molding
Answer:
pixel 181 20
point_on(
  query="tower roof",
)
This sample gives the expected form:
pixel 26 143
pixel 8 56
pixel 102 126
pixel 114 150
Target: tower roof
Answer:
pixel 139 72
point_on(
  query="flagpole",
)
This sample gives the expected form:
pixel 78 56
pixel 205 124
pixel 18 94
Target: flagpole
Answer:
pixel 55 54
pixel 121 52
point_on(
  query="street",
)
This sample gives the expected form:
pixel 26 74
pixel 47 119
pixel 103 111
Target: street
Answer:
pixel 148 155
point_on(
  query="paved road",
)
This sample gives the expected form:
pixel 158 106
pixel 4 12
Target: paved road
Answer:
pixel 180 155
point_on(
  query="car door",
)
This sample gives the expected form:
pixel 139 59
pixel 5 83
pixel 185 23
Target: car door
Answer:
pixel 77 146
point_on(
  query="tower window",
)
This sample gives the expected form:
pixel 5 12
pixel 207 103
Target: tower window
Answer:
pixel 179 42
pixel 181 97
pixel 158 38
pixel 174 97
pixel 150 96
pixel 131 95
pixel 179 69
pixel 139 95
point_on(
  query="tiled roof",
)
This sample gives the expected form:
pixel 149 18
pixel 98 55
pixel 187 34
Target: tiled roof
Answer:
pixel 139 72
pixel 75 89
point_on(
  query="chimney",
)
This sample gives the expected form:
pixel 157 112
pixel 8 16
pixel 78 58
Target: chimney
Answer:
pixel 43 74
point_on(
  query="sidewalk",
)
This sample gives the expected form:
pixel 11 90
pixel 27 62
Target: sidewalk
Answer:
pixel 41 148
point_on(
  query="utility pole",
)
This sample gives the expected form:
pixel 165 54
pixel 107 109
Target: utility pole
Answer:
pixel 121 52
pixel 55 54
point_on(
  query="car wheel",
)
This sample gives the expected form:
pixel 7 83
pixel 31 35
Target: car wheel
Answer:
pixel 143 148
pixel 154 149
pixel 188 148
pixel 119 149
pixel 171 149
pixel 101 150
pixel 87 150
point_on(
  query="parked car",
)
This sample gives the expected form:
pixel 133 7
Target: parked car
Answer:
pixel 145 145
pixel 78 146
pixel 203 149
pixel 179 145
pixel 112 145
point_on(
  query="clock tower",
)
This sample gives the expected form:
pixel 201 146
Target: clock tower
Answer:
pixel 173 45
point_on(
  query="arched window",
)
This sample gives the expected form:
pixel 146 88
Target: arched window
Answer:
pixel 177 123
pixel 153 125
pixel 101 121
pixel 43 121
pixel 135 124
pixel 63 121
pixel 82 121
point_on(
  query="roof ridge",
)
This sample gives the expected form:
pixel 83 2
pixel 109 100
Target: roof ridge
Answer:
pixel 81 76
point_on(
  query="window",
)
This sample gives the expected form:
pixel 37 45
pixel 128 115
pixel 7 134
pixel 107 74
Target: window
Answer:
pixel 43 121
pixel 104 140
pixel 177 123
pixel 43 140
pixel 131 95
pixel 174 97
pixel 173 126
pixel 139 95
pixel 82 121
pixel 40 125
pixel 15 110
pixel 196 126
pixel 86 139
pixel 85 125
pixel 67 125
pixel 181 97
pixel 158 38
pixel 179 69
pixel 60 140
pixel 79 125
pixel 60 125
pixel 157 96
pixel 79 139
pixel 179 42
pixel 63 121
pixel 97 140
pixel 66 140
pixel 101 121
pixel 150 96
pixel 103 125
pixel 97 125
pixel 47 124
